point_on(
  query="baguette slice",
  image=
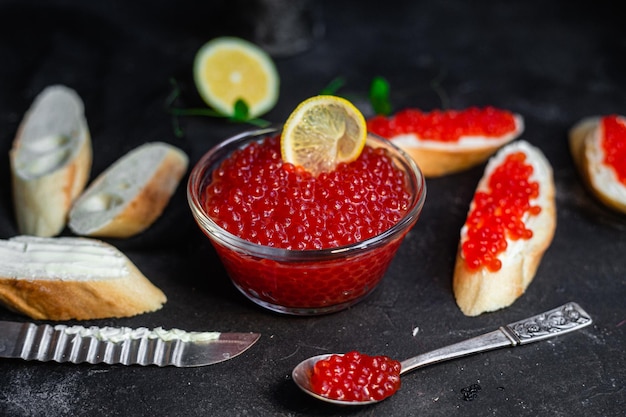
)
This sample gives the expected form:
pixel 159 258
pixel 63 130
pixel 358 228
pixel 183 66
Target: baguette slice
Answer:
pixel 50 161
pixel 131 194
pixel 585 141
pixel 479 291
pixel 64 278
pixel 437 158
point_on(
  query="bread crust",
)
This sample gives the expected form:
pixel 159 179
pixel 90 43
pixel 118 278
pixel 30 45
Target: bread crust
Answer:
pixel 437 158
pixel 439 162
pixel 60 298
pixel 82 300
pixel 43 201
pixel 482 291
pixel 142 209
pixel 585 148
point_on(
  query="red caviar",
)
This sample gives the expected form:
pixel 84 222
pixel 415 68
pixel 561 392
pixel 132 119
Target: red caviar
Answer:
pixel 614 145
pixel 445 126
pixel 258 197
pixel 498 213
pixel 356 377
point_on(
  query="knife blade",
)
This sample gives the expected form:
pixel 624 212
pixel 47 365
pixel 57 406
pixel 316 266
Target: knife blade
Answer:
pixel 120 345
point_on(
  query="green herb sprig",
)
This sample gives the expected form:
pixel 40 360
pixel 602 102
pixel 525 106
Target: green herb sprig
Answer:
pixel 334 86
pixel 241 112
pixel 378 93
pixel 379 96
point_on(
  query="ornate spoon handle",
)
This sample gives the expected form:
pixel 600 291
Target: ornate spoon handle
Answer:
pixel 564 319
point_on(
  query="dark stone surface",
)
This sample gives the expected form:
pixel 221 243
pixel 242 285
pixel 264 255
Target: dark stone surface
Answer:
pixel 553 62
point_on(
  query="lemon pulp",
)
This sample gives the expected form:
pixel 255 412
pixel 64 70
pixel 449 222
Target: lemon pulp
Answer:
pixel 322 132
pixel 228 69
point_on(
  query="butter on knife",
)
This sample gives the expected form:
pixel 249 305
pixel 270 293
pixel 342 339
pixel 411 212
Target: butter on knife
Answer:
pixel 120 334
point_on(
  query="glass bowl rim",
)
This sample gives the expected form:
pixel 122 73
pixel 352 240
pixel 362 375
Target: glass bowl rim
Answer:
pixel 199 173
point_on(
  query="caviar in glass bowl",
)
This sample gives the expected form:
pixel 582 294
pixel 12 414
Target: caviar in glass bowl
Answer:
pixel 298 244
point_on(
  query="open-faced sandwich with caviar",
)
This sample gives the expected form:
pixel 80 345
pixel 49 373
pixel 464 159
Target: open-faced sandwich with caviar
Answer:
pixel 509 226
pixel 598 147
pixel 447 141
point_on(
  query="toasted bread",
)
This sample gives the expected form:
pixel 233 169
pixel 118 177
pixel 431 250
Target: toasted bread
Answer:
pixel 481 290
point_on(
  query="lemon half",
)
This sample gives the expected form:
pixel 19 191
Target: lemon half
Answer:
pixel 227 69
pixel 322 132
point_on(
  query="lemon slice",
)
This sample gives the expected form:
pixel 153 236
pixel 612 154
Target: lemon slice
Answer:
pixel 322 132
pixel 227 69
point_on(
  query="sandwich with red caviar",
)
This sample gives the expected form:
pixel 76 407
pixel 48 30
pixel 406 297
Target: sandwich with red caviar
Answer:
pixel 598 147
pixel 445 142
pixel 510 224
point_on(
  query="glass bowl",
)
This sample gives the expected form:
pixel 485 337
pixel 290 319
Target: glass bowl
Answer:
pixel 303 282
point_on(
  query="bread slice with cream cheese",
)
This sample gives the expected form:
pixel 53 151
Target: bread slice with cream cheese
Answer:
pixel 64 278
pixel 482 290
pixel 131 194
pixel 438 158
pixel 585 141
pixel 50 161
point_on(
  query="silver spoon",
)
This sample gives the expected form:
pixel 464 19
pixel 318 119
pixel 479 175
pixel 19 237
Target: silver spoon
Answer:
pixel 564 319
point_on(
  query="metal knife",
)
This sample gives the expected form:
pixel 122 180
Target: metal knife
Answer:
pixel 120 345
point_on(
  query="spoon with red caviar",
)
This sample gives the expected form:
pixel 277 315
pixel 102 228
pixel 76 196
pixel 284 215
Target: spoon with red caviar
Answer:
pixel 355 378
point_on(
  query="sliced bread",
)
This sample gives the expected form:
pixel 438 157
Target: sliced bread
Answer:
pixel 487 287
pixel 442 157
pixel 131 194
pixel 587 149
pixel 64 278
pixel 50 161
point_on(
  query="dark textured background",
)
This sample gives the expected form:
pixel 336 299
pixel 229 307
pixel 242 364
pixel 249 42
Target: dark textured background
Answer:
pixel 553 62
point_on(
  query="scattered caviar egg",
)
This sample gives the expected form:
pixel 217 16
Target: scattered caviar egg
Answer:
pixel 614 145
pixel 445 125
pixel 355 376
pixel 499 212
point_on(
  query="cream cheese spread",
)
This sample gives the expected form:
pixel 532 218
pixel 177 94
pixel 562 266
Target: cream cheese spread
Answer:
pixel 62 258
pixel 412 140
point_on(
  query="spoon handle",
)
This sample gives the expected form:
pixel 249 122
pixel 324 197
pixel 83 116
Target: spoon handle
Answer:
pixel 564 319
